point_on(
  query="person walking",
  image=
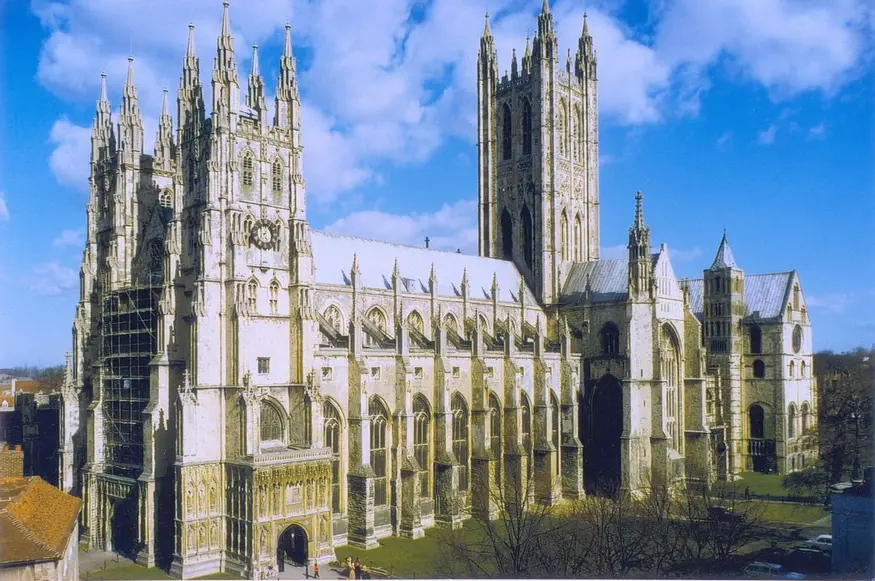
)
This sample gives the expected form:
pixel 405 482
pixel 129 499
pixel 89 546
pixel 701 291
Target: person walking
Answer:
pixel 315 569
pixel 358 569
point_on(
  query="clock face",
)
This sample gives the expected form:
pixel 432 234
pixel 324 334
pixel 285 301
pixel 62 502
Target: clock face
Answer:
pixel 262 235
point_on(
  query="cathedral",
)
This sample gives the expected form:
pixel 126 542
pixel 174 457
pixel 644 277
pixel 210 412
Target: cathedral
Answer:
pixel 243 387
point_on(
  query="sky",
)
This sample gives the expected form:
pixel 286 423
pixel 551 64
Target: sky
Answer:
pixel 755 116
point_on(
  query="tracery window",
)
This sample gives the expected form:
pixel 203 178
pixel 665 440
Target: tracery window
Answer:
pixel 165 199
pixel 421 442
pixel 334 318
pixel 248 171
pixel 506 133
pixel 277 176
pixel 610 336
pixel 526 427
pixel 670 363
pixel 274 297
pixel 554 428
pixel 378 319
pixel 459 410
pixel 528 240
pixel 791 421
pixel 563 234
pixel 332 430
pixel 252 295
pixel 271 424
pixel 414 321
pixel 527 127
pixel 379 459
pixel 506 235
pixel 578 239
pixel 562 129
pixel 450 323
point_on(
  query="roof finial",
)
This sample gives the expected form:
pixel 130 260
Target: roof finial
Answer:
pixel 189 51
pixel 255 68
pixel 639 211
pixel 164 112
pixel 130 81
pixel 102 97
pixel 545 8
pixel 226 22
pixel 486 31
pixel 287 51
pixel 585 27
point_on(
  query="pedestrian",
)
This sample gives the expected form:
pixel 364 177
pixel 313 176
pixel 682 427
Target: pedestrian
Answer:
pixel 315 569
pixel 358 569
pixel 747 491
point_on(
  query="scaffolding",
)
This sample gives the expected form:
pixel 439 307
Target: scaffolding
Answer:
pixel 129 343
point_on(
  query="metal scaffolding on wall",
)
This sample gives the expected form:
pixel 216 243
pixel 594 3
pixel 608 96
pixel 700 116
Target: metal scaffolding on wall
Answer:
pixel 128 345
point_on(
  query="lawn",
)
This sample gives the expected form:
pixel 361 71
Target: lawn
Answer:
pixel 792 512
pixel 405 558
pixel 128 572
pixel 762 483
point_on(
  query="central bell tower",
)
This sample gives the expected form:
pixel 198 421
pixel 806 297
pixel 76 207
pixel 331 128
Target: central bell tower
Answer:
pixel 538 154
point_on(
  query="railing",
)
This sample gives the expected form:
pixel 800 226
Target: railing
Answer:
pixel 283 455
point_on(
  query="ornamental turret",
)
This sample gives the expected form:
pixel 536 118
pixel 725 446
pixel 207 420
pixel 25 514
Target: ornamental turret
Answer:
pixel 130 123
pixel 640 262
pixel 226 87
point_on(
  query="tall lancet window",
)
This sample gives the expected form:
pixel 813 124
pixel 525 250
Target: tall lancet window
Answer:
pixel 563 236
pixel 528 239
pixel 671 376
pixel 506 133
pixel 252 295
pixel 277 176
pixel 379 459
pixel 526 425
pixel 421 442
pixel 578 239
pixel 527 127
pixel 333 431
pixel 460 437
pixel 562 129
pixel 274 297
pixel 248 171
pixel 495 434
pixel 555 412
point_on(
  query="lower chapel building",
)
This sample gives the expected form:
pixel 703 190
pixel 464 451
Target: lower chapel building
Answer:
pixel 242 386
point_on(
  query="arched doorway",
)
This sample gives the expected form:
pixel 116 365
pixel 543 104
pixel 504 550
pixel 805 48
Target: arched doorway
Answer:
pixel 293 546
pixel 604 456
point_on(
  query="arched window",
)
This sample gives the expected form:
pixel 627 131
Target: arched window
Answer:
pixel 422 442
pixel 578 134
pixel 274 297
pixel 450 323
pixel 165 199
pixel 756 417
pixel 562 128
pixel 578 239
pixel 484 322
pixel 527 127
pixel 495 433
pixel 802 369
pixel 460 437
pixel 670 373
pixel 526 425
pixel 506 133
pixel 506 235
pixel 756 339
pixel 276 176
pixel 333 431
pixel 247 228
pixel 572 136
pixel 156 261
pixel 759 369
pixel 796 297
pixel 563 236
pixel 248 171
pixel 252 295
pixel 528 240
pixel 271 425
pixel 610 336
pixel 415 322
pixel 792 369
pixel 797 339
pixel 791 421
pixel 379 460
pixel 806 418
pixel 378 319
pixel 554 428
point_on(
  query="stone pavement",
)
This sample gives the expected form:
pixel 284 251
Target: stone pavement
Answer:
pixel 94 560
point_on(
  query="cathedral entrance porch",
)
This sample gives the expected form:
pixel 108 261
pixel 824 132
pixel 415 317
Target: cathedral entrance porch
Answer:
pixel 602 472
pixel 292 547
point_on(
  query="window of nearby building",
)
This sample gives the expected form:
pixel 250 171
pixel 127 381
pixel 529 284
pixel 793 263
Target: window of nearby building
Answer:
pixel 263 365
pixel 506 133
pixel 277 176
pixel 165 199
pixel 759 369
pixel 271 423
pixel 379 459
pixel 756 416
pixel 791 421
pixel 421 442
pixel 248 171
pixel 610 336
pixel 756 339
pixel 459 411
pixel 332 429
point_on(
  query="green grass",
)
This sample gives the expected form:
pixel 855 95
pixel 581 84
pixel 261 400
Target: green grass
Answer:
pixel 128 572
pixel 762 483
pixel 219 576
pixel 792 512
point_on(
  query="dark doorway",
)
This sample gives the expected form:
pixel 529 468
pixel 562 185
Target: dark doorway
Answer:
pixel 603 458
pixel 123 525
pixel 293 545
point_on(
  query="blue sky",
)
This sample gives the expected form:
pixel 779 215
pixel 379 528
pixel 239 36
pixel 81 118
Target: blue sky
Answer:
pixel 753 115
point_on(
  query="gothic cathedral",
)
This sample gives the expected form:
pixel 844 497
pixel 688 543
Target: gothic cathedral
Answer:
pixel 242 387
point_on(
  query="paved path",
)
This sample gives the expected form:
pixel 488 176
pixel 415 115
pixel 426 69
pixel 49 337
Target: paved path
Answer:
pixel 95 560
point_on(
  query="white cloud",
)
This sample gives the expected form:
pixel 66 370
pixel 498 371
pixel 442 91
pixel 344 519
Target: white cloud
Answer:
pixel 767 136
pixel 724 140
pixel 4 209
pixel 75 238
pixel 837 302
pixel 817 132
pixel 50 278
pixel 452 227
pixel 70 160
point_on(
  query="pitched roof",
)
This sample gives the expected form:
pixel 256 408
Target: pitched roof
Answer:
pixel 333 256
pixel 36 520
pixel 764 294
pixel 608 280
pixel 724 258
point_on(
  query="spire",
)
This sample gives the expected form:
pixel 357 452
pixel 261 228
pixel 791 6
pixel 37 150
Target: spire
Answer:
pixel 129 83
pixel 487 33
pixel 102 99
pixel 287 102
pixel 585 32
pixel 255 94
pixel 102 135
pixel 226 89
pixel 226 22
pixel 164 112
pixel 724 257
pixel 190 98
pixel 130 122
pixel 546 41
pixel 585 58
pixel 189 50
pixel 514 71
pixel 164 138
pixel 545 7
pixel 639 211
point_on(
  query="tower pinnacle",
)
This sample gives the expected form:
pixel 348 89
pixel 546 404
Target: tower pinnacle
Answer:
pixel 255 94
pixel 639 211
pixel 724 257
pixel 226 22
pixel 545 7
pixel 102 98
pixel 486 31
pixel 189 49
